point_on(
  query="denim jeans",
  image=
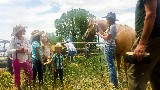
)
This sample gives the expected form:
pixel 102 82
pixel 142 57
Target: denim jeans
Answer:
pixel 109 55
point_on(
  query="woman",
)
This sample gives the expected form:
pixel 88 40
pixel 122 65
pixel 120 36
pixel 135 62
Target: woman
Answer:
pixel 37 61
pixel 19 48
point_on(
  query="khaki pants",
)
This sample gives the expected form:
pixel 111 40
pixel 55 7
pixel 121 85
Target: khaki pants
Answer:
pixel 140 74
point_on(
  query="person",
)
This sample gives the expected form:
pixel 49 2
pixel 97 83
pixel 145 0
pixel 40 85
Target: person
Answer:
pixel 147 26
pixel 87 50
pixel 46 50
pixel 109 48
pixel 20 48
pixel 37 61
pixel 58 63
pixel 9 63
pixel 71 50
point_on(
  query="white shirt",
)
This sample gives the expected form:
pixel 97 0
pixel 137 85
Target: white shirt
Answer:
pixel 47 51
pixel 70 47
pixel 16 43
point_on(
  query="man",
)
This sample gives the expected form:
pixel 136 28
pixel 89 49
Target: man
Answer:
pixel 71 50
pixel 147 26
pixel 109 38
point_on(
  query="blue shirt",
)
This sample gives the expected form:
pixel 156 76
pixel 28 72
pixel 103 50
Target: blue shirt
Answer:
pixel 35 45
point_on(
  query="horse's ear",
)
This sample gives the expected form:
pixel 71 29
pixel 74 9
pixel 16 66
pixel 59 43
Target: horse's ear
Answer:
pixel 90 20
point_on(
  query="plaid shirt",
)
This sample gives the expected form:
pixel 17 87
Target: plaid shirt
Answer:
pixel 57 59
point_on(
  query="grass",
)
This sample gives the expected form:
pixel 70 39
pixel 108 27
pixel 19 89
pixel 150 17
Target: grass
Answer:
pixel 80 74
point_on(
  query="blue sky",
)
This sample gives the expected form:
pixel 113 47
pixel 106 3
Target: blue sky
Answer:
pixel 40 14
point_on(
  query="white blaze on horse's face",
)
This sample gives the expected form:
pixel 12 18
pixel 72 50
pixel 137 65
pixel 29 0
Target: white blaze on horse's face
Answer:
pixel 90 31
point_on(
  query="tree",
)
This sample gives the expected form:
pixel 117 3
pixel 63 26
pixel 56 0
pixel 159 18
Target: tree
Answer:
pixel 73 24
pixel 53 39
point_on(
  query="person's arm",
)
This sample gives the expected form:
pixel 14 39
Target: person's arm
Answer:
pixel 150 8
pixel 38 55
pixel 51 52
pixel 105 36
pixel 108 35
pixel 11 48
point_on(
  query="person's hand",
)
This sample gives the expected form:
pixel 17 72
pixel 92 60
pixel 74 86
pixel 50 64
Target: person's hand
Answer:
pixel 139 51
pixel 97 33
pixel 49 57
pixel 42 63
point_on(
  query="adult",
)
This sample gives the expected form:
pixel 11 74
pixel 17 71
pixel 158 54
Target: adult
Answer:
pixel 71 50
pixel 147 26
pixel 109 47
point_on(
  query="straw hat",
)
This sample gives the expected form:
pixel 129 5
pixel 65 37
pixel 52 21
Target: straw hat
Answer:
pixel 54 47
pixel 17 28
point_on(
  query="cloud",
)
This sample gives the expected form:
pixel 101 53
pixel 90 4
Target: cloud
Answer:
pixel 40 14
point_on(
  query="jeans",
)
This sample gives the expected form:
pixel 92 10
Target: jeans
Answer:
pixel 109 55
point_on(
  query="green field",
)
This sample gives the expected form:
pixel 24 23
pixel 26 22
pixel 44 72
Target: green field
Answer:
pixel 81 74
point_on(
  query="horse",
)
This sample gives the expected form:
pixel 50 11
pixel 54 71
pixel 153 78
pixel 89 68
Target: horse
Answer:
pixel 125 38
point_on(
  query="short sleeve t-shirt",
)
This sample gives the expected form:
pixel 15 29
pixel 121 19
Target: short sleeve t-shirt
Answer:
pixel 35 45
pixel 113 32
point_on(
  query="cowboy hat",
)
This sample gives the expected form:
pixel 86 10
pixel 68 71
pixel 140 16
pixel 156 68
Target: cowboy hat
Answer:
pixel 54 47
pixel 17 28
pixel 111 15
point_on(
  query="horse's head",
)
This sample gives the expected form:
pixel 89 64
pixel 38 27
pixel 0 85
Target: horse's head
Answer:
pixel 91 30
pixel 95 26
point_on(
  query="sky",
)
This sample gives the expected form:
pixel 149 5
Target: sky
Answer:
pixel 41 14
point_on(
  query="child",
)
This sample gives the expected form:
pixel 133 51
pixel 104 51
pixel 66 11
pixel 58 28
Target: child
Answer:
pixel 57 63
pixel 47 52
pixel 87 50
pixel 19 50
pixel 37 62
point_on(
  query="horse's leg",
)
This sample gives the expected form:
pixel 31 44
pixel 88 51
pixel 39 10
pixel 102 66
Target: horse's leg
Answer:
pixel 125 66
pixel 118 59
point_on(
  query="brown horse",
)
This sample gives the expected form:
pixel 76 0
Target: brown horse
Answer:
pixel 125 38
